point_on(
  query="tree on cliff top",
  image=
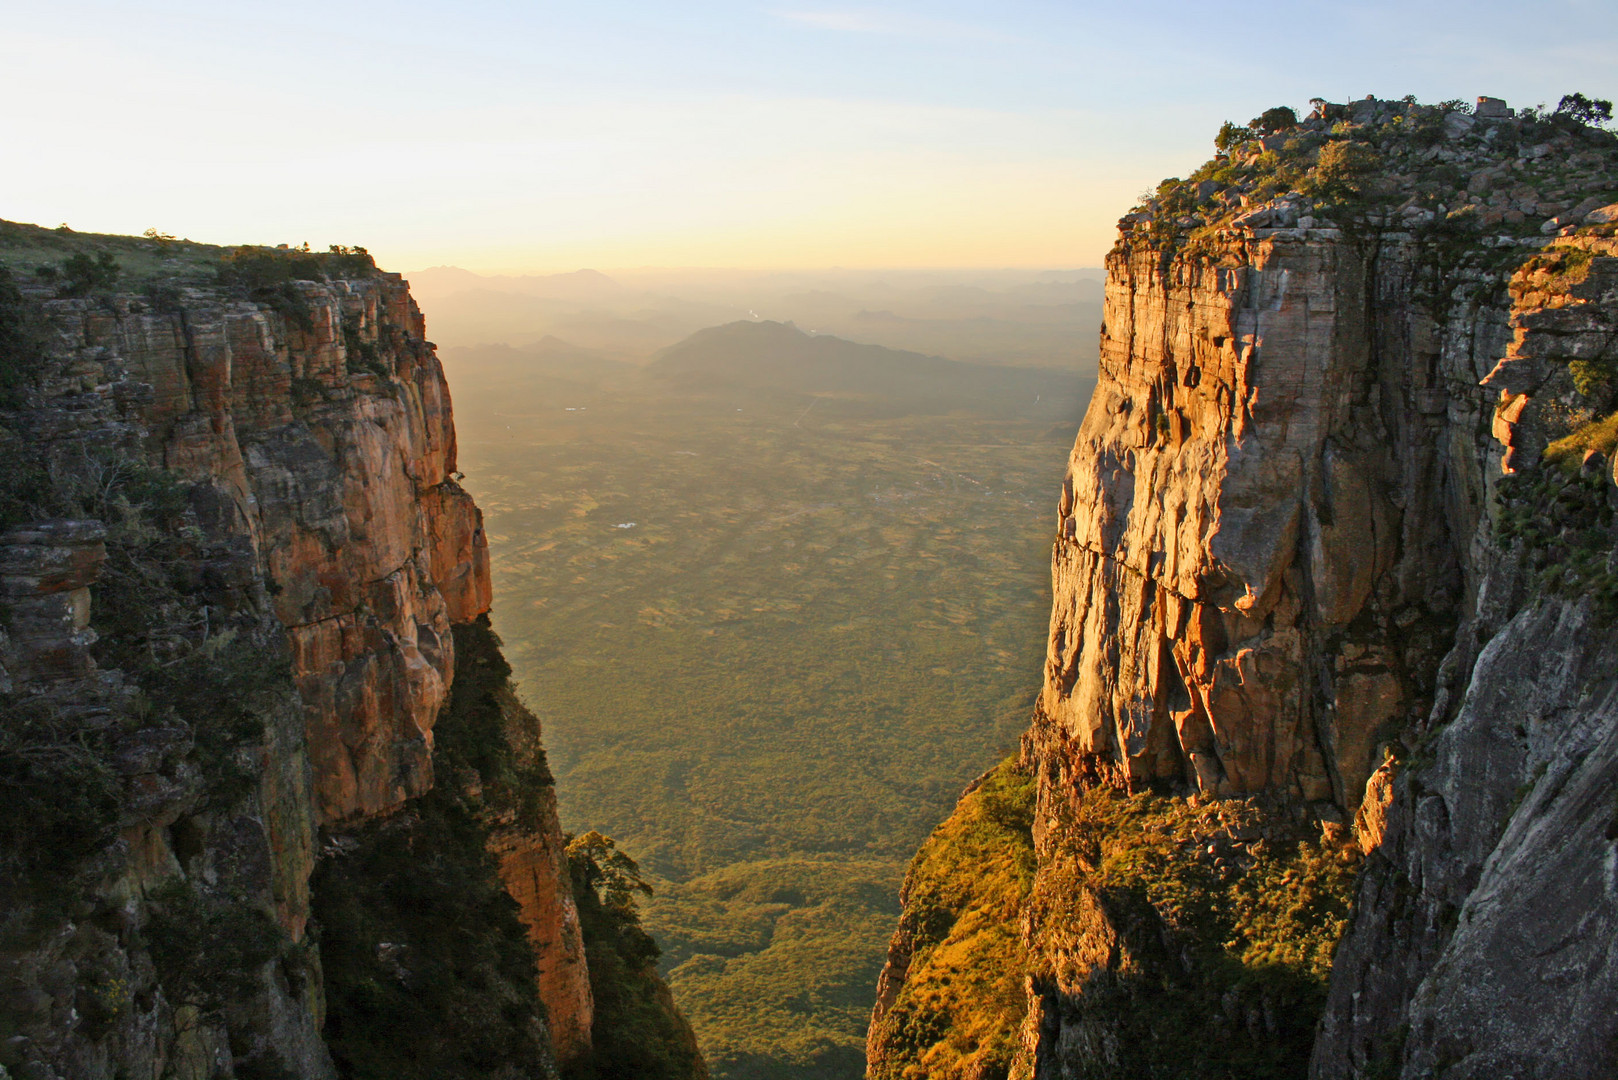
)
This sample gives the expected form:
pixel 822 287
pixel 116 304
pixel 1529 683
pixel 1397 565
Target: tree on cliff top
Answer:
pixel 1229 135
pixel 1343 170
pixel 86 274
pixel 1273 120
pixel 1593 112
pixel 596 863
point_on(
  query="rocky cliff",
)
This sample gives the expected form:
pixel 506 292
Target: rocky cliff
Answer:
pixel 1326 724
pixel 234 563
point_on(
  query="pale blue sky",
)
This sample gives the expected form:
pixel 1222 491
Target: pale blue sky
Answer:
pixel 546 136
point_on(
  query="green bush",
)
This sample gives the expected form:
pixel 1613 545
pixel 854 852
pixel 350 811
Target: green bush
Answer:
pixel 270 276
pixel 252 268
pixel 1229 135
pixel 363 355
pixel 84 274
pixel 1343 170
pixel 151 609
pixel 157 621
pixel 306 391
pixel 60 796
pixel 209 949
pixel 1593 378
pixel 475 731
pixel 428 971
pixel 1271 121
pixel 1222 950
pixel 22 341
pixel 1559 522
pixel 1584 110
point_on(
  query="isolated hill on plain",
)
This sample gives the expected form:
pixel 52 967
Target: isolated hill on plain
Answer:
pixel 869 379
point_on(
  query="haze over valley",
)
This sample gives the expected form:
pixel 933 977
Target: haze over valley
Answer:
pixel 838 553
pixel 1039 318
pixel 886 540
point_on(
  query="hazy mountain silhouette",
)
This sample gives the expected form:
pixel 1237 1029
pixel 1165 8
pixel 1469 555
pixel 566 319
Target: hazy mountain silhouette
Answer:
pixel 1018 317
pixel 779 357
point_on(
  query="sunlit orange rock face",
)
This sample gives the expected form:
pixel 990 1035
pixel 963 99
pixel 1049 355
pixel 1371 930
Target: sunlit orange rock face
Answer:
pixel 1284 568
pixel 341 480
pixel 323 438
pixel 1335 569
pixel 1255 540
pixel 533 865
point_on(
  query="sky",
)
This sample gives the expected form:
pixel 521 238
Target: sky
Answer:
pixel 529 137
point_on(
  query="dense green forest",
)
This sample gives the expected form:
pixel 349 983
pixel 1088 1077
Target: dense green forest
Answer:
pixel 772 627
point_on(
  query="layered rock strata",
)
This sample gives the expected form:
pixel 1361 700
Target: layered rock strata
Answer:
pixel 312 564
pixel 1314 560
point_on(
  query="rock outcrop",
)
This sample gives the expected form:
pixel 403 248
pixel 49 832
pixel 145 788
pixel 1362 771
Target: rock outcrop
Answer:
pixel 246 488
pixel 1483 930
pixel 1255 563
pixel 533 864
pixel 45 577
pixel 1326 556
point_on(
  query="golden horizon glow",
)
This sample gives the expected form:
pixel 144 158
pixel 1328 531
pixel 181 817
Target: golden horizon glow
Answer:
pixel 544 138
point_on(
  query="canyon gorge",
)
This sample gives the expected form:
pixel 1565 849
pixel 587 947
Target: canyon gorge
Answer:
pixel 1321 779
pixel 245 636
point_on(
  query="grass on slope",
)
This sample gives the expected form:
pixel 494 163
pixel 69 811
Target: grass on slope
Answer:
pixel 957 1015
pixel 1210 929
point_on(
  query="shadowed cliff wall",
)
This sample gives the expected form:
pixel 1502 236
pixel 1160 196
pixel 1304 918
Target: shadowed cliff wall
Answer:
pixel 236 554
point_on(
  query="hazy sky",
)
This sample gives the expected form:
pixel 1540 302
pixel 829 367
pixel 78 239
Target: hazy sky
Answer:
pixel 534 136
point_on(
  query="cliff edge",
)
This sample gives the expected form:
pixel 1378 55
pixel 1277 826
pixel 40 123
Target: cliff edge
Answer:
pixel 236 566
pixel 1323 751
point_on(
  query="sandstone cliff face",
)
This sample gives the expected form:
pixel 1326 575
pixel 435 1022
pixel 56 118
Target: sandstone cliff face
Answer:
pixel 312 563
pixel 1255 557
pixel 533 865
pixel 1484 923
pixel 336 477
pixel 1279 510
pixel 1309 566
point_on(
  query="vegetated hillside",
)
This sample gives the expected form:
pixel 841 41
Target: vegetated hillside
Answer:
pixel 1327 747
pixel 241 600
pixel 845 606
pixel 847 376
pixel 951 997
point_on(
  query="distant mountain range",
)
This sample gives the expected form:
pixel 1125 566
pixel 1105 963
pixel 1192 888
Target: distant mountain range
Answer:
pixel 779 357
pixel 1027 318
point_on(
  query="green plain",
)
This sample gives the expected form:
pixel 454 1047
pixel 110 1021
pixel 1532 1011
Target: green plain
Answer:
pixel 769 644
